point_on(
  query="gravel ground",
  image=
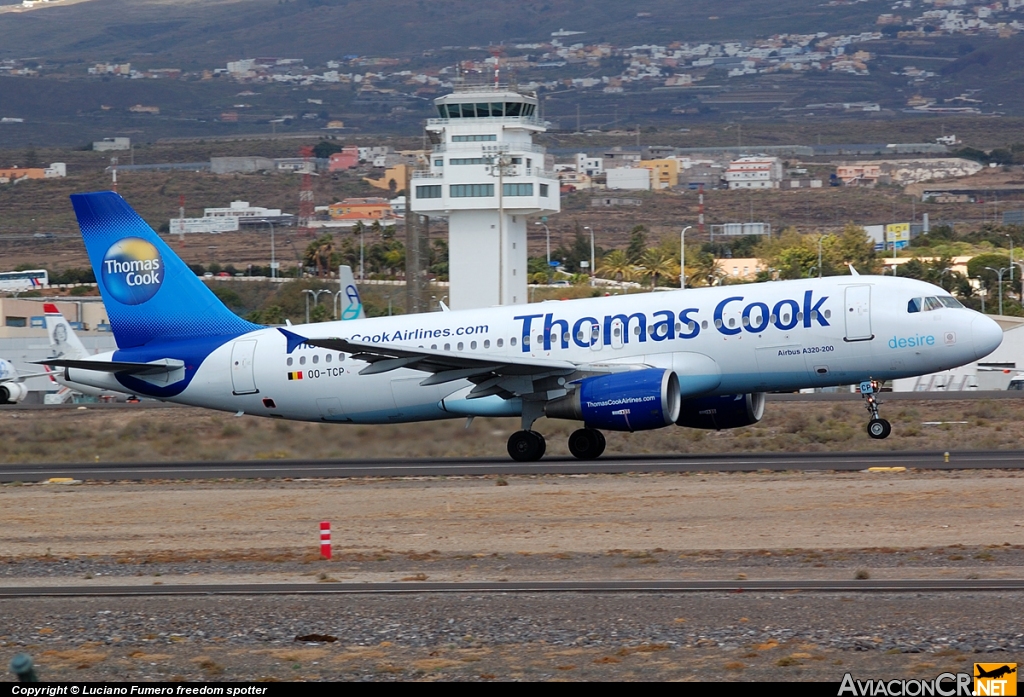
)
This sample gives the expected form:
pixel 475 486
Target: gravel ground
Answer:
pixel 712 636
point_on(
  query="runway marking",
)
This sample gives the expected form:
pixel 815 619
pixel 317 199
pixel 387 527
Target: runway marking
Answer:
pixel 884 586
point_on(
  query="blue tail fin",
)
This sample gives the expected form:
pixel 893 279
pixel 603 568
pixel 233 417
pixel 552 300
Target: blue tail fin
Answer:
pixel 149 293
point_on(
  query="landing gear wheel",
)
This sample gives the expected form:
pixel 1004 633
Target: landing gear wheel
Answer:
pixel 879 428
pixel 526 446
pixel 586 444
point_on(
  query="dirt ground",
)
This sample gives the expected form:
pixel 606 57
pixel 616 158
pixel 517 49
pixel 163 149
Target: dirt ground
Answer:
pixel 529 515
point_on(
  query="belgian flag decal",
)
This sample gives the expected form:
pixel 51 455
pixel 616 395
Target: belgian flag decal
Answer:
pixel 295 376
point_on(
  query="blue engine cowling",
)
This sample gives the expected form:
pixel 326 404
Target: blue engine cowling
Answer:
pixel 723 411
pixel 638 400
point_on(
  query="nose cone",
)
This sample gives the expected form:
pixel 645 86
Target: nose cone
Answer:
pixel 987 336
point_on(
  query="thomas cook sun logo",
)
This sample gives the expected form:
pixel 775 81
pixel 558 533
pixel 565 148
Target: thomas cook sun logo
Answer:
pixel 132 270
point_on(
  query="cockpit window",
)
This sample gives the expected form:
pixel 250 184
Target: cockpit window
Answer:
pixel 932 303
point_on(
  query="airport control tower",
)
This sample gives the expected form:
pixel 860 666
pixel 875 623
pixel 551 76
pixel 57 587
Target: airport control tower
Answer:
pixel 486 176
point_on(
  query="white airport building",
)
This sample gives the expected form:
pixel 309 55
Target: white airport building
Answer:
pixel 486 176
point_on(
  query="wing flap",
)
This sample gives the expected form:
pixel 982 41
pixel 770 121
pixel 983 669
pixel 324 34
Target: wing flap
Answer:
pixel 163 366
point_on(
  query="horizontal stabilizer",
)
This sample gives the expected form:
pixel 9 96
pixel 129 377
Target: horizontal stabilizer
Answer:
pixel 164 365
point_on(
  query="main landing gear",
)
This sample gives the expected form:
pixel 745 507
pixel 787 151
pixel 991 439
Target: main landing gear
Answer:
pixel 529 446
pixel 526 446
pixel 586 443
pixel 877 427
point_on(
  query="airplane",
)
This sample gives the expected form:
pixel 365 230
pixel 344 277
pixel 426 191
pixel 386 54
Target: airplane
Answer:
pixel 12 383
pixel 695 357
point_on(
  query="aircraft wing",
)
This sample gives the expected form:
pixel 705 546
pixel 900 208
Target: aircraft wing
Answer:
pixel 166 365
pixel 22 376
pixel 493 376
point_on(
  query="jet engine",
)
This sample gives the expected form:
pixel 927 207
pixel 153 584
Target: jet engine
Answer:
pixel 12 392
pixel 638 400
pixel 723 411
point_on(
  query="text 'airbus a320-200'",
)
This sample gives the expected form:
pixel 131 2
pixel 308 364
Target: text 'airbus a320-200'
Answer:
pixel 697 358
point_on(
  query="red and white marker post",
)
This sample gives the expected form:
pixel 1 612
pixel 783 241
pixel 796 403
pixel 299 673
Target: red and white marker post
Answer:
pixel 325 539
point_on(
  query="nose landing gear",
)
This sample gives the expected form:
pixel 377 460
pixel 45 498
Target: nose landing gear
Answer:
pixel 878 427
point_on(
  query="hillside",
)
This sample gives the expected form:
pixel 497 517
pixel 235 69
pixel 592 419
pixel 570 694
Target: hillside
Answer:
pixel 191 32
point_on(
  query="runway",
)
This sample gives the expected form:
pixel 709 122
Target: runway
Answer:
pixel 781 586
pixel 312 469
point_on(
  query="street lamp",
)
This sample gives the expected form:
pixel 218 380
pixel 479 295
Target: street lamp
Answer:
pixel 273 257
pixel 316 298
pixel 1006 234
pixel 1000 272
pixel 592 268
pixel 820 239
pixel 547 242
pixel 682 256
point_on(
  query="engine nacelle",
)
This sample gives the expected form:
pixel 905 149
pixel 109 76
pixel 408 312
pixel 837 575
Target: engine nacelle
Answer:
pixel 638 400
pixel 12 392
pixel 723 411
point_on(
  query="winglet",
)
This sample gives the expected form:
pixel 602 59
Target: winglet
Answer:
pixel 853 271
pixel 294 340
pixel 444 308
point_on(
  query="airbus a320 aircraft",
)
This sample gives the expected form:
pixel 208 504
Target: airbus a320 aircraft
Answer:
pixel 699 358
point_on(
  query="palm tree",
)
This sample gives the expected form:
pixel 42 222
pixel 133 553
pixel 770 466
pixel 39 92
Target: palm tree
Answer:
pixel 704 270
pixel 657 264
pixel 617 266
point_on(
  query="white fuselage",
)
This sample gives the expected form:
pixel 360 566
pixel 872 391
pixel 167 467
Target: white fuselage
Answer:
pixel 761 337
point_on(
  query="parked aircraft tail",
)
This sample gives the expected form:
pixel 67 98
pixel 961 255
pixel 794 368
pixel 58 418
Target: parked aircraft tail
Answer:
pixel 63 341
pixel 149 292
pixel 351 303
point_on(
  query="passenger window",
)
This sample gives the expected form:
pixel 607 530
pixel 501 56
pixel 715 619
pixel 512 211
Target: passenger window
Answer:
pixel 460 346
pixel 327 358
pixel 487 343
pixel 447 347
pixel 512 341
pixel 704 324
pixel 341 357
pixel 501 342
pixel 472 345
pixel 290 361
pixel 785 318
pixel 828 313
pixel 316 359
pixel 914 305
pixel 302 360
